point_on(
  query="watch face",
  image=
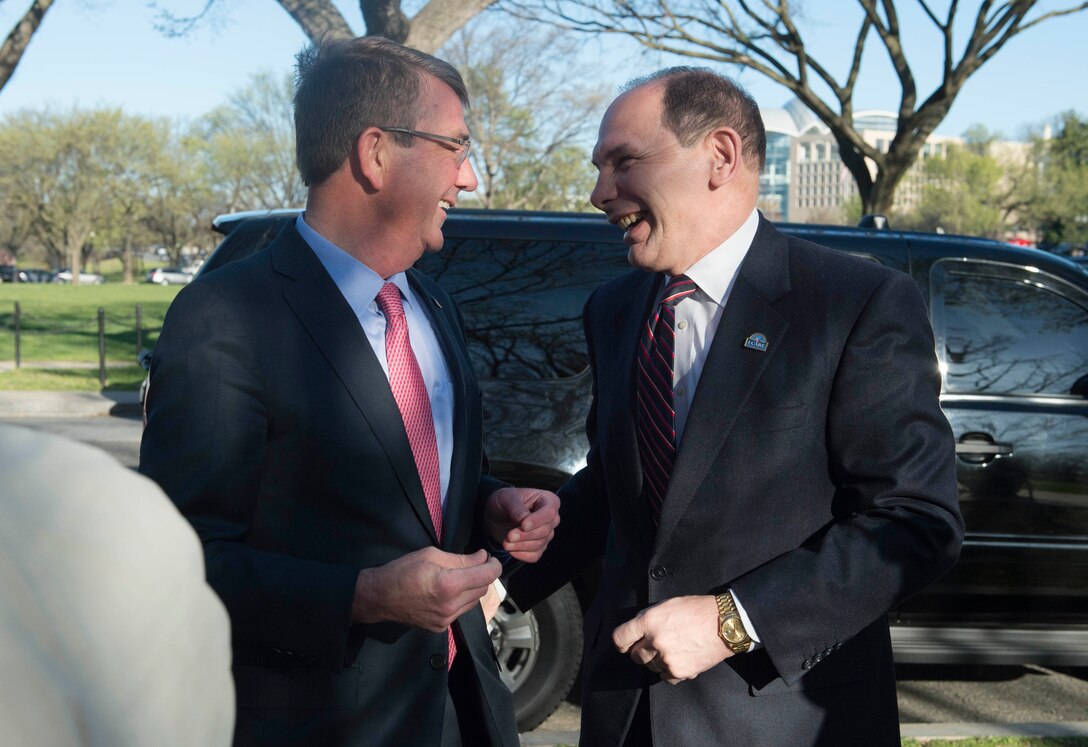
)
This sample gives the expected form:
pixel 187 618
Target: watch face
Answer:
pixel 732 630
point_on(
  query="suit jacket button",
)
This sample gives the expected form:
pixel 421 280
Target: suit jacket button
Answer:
pixel 806 664
pixel 657 572
pixel 438 662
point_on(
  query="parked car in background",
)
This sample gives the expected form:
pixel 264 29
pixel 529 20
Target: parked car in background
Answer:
pixel 34 275
pixel 12 274
pixel 64 275
pixel 171 275
pixel 1011 332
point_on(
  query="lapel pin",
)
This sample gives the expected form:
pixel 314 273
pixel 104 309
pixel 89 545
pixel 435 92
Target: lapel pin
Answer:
pixel 436 302
pixel 756 341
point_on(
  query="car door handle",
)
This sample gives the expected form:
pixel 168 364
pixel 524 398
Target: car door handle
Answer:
pixel 981 447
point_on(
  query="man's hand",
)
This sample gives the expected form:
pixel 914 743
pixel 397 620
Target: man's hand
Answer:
pixel 677 638
pixel 426 589
pixel 522 520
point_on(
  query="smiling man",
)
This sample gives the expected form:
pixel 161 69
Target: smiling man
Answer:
pixel 769 469
pixel 313 413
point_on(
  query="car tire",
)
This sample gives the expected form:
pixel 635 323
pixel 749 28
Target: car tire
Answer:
pixel 539 653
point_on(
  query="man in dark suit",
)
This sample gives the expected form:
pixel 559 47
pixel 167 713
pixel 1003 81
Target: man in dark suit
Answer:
pixel 313 413
pixel 769 469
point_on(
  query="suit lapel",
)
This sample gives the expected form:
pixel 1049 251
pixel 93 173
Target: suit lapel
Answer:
pixel 329 320
pixel 619 395
pixel 731 370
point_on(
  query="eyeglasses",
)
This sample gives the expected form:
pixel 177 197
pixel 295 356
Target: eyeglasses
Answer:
pixel 463 144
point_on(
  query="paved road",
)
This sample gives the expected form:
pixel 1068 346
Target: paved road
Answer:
pixel 119 436
pixel 993 694
pixel 948 701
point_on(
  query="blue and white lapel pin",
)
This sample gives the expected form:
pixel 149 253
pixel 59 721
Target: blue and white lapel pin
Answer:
pixel 756 341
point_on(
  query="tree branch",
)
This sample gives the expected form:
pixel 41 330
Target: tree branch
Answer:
pixel 318 18
pixel 385 18
pixel 436 21
pixel 11 52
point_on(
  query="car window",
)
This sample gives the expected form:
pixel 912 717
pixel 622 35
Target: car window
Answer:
pixel 248 237
pixel 1011 332
pixel 522 300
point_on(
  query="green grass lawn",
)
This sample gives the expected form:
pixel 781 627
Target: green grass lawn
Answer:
pixel 60 323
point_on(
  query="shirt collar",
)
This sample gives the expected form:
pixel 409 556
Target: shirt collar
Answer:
pixel 358 283
pixel 716 272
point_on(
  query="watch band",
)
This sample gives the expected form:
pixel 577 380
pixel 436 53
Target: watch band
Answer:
pixel 727 611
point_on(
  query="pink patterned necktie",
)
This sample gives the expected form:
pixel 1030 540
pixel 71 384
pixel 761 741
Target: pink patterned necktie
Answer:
pixel 410 392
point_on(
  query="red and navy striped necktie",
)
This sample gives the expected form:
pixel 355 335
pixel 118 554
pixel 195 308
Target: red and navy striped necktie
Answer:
pixel 656 410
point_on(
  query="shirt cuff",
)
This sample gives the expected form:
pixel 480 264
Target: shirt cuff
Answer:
pixel 747 623
pixel 500 589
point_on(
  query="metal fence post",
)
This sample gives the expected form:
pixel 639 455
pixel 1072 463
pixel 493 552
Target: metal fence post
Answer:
pixel 102 346
pixel 139 329
pixel 18 332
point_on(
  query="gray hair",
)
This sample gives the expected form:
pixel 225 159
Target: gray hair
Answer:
pixel 343 86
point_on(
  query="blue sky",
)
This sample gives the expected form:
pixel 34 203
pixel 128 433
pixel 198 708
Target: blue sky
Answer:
pixel 106 52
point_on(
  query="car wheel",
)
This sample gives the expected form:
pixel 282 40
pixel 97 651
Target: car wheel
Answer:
pixel 539 653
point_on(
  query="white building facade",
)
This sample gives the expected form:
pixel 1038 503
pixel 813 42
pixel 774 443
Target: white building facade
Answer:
pixel 805 180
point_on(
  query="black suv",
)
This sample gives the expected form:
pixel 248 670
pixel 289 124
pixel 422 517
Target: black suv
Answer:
pixel 1011 328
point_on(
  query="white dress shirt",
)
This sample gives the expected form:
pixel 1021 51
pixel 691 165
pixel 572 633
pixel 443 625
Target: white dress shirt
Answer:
pixel 360 285
pixel 697 318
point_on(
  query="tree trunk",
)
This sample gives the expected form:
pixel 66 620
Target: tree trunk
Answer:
pixel 75 261
pixel 881 196
pixel 16 43
pixel 126 259
pixel 385 18
pixel 428 30
pixel 437 21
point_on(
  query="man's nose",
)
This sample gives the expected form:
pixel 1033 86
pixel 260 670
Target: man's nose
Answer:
pixel 466 177
pixel 603 191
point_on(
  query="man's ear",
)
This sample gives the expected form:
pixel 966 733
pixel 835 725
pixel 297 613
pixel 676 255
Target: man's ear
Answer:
pixel 371 158
pixel 727 154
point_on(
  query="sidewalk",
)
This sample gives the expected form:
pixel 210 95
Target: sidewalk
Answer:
pixel 6 365
pixel 20 404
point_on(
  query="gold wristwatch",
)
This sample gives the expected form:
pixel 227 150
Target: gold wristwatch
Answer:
pixel 730 628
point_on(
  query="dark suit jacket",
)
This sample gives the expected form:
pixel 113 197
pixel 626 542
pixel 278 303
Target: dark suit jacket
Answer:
pixel 816 479
pixel 271 425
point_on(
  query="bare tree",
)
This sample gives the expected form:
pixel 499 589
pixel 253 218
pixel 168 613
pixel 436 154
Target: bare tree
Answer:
pixel 427 30
pixel 13 47
pixel 530 116
pixel 249 148
pixel 765 37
